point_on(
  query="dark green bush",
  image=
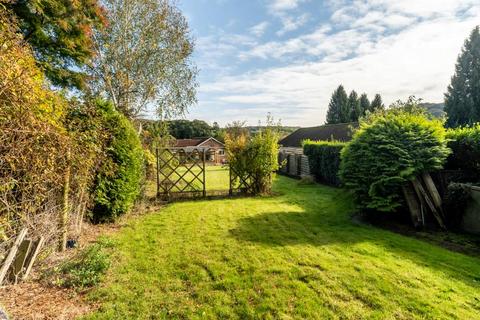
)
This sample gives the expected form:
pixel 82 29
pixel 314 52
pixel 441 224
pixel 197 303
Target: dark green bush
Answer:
pixel 465 144
pixel 118 180
pixel 456 201
pixel 324 160
pixel 389 149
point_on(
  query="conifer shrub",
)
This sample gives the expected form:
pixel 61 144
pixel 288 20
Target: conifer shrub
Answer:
pixel 324 160
pixel 389 149
pixel 118 182
pixel 465 144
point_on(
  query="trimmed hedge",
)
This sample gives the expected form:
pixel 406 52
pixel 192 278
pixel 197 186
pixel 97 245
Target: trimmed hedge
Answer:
pixel 118 182
pixel 465 144
pixel 324 160
pixel 388 150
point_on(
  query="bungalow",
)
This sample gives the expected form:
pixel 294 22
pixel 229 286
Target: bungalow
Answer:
pixel 215 149
pixel 329 132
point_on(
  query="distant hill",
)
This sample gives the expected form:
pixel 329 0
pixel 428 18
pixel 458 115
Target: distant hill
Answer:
pixel 435 109
pixel 284 130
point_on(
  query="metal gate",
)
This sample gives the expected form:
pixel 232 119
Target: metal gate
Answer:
pixel 182 173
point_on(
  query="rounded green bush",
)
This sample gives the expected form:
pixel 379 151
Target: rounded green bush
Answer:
pixel 118 180
pixel 389 149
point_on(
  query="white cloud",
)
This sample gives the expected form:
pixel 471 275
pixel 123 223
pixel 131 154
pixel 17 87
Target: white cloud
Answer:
pixel 292 23
pixel 259 29
pixel 284 5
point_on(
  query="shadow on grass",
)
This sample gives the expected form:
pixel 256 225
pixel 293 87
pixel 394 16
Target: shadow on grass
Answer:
pixel 323 218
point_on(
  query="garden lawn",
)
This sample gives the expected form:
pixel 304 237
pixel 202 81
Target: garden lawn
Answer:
pixel 294 255
pixel 217 178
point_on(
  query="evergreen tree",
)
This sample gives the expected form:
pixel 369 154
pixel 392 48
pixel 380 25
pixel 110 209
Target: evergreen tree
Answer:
pixel 377 103
pixel 59 33
pixel 338 107
pixel 364 103
pixel 354 107
pixel 462 101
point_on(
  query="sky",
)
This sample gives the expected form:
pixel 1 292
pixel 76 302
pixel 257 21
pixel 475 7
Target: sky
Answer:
pixel 286 57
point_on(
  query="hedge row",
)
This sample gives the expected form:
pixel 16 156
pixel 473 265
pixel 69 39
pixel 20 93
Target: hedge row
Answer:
pixel 324 159
pixel 465 144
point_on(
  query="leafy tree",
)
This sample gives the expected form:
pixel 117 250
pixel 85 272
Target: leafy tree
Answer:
pixel 143 58
pixel 364 103
pixel 338 107
pixel 377 104
pixel 185 129
pixel 462 101
pixel 354 106
pixel 59 32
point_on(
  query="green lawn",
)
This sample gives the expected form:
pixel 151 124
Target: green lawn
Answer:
pixel 216 177
pixel 296 255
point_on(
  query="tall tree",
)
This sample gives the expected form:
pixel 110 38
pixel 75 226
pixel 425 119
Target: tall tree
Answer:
pixel 59 32
pixel 354 107
pixel 144 58
pixel 377 103
pixel 462 101
pixel 338 107
pixel 364 103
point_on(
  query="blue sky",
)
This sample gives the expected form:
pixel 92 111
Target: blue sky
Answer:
pixel 285 57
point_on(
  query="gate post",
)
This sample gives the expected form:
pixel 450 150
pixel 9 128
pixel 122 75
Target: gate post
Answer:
pixel 204 182
pixel 230 190
pixel 158 173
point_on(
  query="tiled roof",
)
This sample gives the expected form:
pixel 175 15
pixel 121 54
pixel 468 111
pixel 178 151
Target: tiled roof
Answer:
pixel 182 143
pixel 199 142
pixel 338 132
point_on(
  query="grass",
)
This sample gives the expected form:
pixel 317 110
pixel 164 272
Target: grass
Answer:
pixel 296 255
pixel 216 177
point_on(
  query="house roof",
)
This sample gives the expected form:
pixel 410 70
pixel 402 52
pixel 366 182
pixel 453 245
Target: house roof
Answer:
pixel 196 142
pixel 338 132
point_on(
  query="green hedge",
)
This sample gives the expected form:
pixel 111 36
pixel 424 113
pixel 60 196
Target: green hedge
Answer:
pixel 324 160
pixel 465 144
pixel 388 150
pixel 118 180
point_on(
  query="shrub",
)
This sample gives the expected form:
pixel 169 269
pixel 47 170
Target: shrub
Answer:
pixel 389 149
pixel 456 201
pixel 465 144
pixel 255 157
pixel 324 160
pixel 84 271
pixel 118 180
